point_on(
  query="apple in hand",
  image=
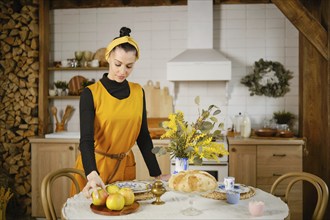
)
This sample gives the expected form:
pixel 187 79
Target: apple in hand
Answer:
pixel 128 195
pixel 113 188
pixel 101 198
pixel 115 201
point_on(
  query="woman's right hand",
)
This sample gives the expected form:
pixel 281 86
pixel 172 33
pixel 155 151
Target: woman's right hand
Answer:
pixel 94 181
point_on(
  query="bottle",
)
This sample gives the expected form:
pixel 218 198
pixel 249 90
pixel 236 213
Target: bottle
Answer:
pixel 246 126
pixel 237 125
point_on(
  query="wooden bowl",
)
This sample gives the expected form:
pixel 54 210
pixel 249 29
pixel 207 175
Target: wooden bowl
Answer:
pixel 286 134
pixel 266 132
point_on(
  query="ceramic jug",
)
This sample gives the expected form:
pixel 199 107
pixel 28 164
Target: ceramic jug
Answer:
pixel 246 126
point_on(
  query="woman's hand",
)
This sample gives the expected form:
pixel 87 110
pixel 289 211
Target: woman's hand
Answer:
pixel 165 177
pixel 94 181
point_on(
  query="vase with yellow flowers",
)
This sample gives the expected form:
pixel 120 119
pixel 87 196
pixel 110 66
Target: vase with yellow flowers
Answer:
pixel 193 141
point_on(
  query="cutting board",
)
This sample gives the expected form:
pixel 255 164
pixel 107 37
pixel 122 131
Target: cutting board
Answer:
pixel 75 85
pixel 159 102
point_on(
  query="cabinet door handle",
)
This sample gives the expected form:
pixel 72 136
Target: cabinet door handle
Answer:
pixel 233 149
pixel 279 155
pixel 277 174
pixel 70 148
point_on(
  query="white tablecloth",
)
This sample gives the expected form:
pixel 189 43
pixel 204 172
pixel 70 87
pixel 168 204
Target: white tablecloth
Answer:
pixel 78 207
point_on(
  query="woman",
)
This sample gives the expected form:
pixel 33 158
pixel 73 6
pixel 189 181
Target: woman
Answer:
pixel 112 118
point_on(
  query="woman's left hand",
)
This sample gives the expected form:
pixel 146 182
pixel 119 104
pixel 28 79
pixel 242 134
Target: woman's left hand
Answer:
pixel 164 177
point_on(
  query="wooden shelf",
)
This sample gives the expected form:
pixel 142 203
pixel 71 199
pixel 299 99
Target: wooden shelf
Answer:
pixel 64 97
pixel 76 68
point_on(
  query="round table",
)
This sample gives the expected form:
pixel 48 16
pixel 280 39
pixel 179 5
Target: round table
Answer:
pixel 78 207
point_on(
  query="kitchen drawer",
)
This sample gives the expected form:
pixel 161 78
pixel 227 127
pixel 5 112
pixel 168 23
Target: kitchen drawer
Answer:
pixel 273 161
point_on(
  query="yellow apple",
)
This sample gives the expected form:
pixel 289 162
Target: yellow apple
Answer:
pixel 128 195
pixel 115 201
pixel 112 188
pixel 102 197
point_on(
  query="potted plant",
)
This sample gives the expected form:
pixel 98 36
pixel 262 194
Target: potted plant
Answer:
pixel 284 119
pixel 191 142
pixel 61 87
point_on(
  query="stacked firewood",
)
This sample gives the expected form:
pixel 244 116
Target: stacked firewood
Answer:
pixel 19 70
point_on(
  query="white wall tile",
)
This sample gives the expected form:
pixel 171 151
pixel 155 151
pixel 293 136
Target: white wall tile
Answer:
pixel 244 33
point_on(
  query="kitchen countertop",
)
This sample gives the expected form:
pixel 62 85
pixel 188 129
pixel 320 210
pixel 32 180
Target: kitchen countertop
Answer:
pixel 72 137
pixel 265 140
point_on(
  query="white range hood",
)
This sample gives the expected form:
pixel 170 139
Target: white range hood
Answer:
pixel 199 62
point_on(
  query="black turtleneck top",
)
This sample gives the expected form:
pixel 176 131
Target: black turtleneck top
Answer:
pixel 87 115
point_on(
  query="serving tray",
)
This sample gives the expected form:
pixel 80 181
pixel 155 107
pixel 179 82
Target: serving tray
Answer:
pixel 103 210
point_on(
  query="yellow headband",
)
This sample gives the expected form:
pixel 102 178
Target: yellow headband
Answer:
pixel 121 40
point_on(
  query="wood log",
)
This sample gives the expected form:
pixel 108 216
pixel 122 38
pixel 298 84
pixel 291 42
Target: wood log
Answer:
pixel 23 35
pixel 34 120
pixel 34 44
pixel 23 91
pixel 17 42
pixel 34 28
pixel 14 32
pixel 33 53
pixel 21 190
pixel 35 66
pixel 26 110
pixel 9 65
pixel 18 92
pixel 17 139
pixel 9 25
pixel 5 47
pixel 20 132
pixel 22 73
pixel 33 91
pixel 29 133
pixel 15 16
pixel 25 19
pixel 8 56
pixel 32 78
pixel 13 169
pixel 13 78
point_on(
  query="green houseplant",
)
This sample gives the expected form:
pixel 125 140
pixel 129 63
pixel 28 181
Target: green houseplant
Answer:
pixel 61 86
pixel 284 117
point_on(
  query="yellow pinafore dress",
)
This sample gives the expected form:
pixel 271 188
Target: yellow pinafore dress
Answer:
pixel 116 127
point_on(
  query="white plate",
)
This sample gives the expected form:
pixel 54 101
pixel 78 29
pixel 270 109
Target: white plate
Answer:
pixel 136 186
pixel 237 188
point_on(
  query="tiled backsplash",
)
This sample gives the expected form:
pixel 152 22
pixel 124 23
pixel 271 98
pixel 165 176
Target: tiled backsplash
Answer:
pixel 244 33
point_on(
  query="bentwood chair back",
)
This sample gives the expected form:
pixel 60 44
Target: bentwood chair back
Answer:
pixel 46 188
pixel 320 186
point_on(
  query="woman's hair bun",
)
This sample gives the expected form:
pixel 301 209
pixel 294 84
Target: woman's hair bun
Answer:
pixel 124 31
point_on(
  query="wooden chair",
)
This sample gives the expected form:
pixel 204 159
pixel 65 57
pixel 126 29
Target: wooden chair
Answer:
pixel 320 186
pixel 46 187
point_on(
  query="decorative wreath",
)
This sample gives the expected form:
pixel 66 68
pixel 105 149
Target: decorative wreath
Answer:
pixel 268 78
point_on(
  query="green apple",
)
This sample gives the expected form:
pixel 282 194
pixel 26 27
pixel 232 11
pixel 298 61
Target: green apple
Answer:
pixel 128 195
pixel 102 197
pixel 112 188
pixel 115 201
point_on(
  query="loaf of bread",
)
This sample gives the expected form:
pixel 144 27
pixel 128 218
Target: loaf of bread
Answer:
pixel 192 181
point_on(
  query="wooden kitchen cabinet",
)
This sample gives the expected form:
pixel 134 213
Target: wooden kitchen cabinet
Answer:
pixel 259 162
pixel 242 164
pixel 48 155
pixel 142 172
